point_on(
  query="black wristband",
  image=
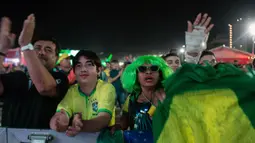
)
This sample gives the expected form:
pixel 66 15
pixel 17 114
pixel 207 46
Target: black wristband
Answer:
pixel 2 54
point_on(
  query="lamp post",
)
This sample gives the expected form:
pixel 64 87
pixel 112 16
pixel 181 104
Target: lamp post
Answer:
pixel 230 35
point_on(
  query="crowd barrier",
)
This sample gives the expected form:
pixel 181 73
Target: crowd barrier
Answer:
pixel 3 136
pixel 9 135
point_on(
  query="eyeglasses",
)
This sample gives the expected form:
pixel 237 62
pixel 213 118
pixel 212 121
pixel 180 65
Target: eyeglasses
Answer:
pixel 143 69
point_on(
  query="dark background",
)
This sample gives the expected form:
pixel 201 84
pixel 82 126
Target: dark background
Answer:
pixel 119 27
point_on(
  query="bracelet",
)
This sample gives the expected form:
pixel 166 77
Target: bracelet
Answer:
pixel 27 47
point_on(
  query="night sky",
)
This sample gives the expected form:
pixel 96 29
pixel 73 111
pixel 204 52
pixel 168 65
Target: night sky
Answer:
pixel 119 27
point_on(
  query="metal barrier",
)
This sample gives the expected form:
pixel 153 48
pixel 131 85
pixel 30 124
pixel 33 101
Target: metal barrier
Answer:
pixel 3 138
pixel 10 135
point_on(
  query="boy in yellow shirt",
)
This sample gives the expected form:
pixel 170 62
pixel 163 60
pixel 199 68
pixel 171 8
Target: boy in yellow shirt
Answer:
pixel 91 102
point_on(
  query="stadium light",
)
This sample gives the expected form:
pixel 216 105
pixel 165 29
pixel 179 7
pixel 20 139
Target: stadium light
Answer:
pixel 182 50
pixel 252 32
pixel 252 29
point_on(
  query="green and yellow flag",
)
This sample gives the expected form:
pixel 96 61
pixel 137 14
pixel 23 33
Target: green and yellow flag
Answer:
pixel 206 104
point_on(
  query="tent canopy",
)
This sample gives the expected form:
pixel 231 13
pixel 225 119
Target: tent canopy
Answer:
pixel 225 54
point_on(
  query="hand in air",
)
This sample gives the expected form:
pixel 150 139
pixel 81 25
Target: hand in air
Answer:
pixel 76 127
pixel 60 121
pixel 201 21
pixel 201 25
pixel 7 39
pixel 27 32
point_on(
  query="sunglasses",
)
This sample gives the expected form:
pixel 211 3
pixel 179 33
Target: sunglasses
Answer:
pixel 145 68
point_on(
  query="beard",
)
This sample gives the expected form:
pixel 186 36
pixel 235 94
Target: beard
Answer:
pixel 48 62
pixel 43 61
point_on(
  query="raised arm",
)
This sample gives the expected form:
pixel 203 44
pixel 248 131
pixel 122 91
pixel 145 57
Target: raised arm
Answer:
pixel 40 75
pixel 196 37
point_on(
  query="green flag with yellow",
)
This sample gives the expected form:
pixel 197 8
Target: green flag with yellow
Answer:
pixel 206 104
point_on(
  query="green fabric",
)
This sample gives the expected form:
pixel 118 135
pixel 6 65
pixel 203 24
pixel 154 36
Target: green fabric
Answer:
pixel 193 77
pixel 106 136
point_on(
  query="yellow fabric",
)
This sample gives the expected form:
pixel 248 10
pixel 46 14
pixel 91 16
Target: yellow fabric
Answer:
pixel 62 57
pixel 126 104
pixel 107 72
pixel 152 110
pixel 102 100
pixel 194 119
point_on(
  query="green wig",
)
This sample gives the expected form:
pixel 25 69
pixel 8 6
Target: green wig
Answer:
pixel 129 76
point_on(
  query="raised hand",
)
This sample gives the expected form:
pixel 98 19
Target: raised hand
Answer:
pixel 7 39
pixel 76 127
pixel 196 37
pixel 201 21
pixel 27 32
pixel 59 122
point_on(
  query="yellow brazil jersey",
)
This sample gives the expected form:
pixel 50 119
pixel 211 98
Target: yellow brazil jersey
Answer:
pixel 102 99
pixel 107 72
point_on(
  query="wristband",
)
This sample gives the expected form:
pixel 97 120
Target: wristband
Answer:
pixel 27 47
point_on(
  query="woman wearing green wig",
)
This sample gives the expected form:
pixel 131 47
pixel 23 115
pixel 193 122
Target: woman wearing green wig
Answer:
pixel 144 79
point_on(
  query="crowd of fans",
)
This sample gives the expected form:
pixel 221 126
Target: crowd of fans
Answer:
pixel 52 93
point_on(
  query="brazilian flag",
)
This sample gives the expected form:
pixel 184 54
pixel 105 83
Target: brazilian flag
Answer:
pixel 206 104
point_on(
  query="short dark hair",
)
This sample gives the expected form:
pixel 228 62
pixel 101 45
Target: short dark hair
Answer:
pixel 169 55
pixel 115 61
pixel 206 53
pixel 49 38
pixel 88 54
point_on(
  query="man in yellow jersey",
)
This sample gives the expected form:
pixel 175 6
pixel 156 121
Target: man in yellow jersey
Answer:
pixel 90 102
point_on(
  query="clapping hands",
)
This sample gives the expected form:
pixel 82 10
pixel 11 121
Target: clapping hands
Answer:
pixel 27 32
pixel 60 121
pixel 7 39
pixel 76 127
